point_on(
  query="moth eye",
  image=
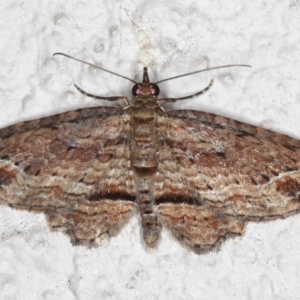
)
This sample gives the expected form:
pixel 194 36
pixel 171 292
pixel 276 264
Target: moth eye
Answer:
pixel 155 90
pixel 136 90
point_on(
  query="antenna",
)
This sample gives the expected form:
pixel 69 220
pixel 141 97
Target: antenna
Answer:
pixel 203 70
pixel 171 78
pixel 95 66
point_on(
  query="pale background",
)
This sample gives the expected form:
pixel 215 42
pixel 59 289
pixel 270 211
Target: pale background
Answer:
pixel 170 37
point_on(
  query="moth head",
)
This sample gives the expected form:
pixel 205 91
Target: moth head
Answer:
pixel 146 87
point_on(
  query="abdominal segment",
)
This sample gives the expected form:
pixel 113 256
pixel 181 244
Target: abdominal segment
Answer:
pixel 144 153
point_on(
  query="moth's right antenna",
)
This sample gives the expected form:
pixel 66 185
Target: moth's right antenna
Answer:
pixel 203 70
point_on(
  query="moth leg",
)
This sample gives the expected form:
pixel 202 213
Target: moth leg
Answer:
pixel 186 97
pixel 103 98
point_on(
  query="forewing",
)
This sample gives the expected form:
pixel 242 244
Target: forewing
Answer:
pixel 215 174
pixel 74 167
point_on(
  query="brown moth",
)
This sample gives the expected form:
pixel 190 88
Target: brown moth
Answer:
pixel 201 175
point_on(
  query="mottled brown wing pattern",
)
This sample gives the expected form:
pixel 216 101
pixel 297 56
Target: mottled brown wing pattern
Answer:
pixel 74 167
pixel 215 174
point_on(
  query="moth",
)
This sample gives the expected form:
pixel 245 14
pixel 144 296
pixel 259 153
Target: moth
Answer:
pixel 201 175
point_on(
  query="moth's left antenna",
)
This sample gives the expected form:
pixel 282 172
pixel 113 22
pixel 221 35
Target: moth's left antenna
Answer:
pixel 95 66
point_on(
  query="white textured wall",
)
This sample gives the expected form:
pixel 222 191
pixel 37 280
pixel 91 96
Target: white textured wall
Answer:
pixel 170 37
